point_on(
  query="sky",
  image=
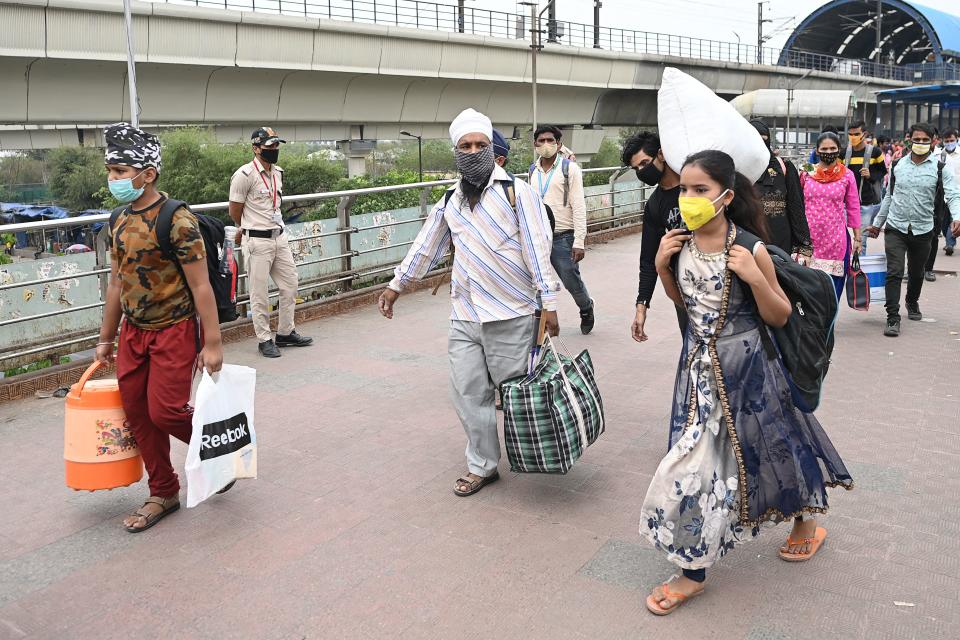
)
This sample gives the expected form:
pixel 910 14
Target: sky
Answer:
pixel 709 19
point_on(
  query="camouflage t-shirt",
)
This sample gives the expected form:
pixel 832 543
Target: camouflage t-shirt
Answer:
pixel 153 294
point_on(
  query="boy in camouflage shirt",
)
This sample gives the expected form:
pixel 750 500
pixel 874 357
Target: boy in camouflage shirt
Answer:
pixel 163 341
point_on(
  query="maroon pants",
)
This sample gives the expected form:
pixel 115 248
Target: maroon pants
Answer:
pixel 155 370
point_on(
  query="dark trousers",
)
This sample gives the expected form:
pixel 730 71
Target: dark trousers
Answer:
pixel 155 372
pixel 569 271
pixel 949 241
pixel 910 249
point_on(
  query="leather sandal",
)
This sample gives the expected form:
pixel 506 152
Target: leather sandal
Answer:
pixel 168 506
pixel 815 543
pixel 653 604
pixel 474 485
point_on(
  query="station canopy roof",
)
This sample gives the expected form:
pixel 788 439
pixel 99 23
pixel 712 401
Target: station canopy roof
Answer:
pixel 910 32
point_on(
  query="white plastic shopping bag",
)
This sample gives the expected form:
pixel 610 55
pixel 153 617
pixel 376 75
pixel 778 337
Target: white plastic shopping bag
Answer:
pixel 223 446
pixel 692 118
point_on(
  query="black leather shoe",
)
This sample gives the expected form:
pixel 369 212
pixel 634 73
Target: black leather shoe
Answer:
pixel 228 487
pixel 893 328
pixel 587 320
pixel 913 312
pixel 293 340
pixel 930 276
pixel 269 349
pixel 948 251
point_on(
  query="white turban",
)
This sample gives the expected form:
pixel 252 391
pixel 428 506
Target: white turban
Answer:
pixel 470 121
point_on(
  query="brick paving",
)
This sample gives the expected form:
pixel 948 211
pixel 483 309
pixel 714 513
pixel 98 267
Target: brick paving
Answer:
pixel 352 530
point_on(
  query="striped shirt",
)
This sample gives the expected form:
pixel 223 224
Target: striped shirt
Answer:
pixel 502 257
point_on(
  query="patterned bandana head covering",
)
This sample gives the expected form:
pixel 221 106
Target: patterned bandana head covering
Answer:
pixel 132 147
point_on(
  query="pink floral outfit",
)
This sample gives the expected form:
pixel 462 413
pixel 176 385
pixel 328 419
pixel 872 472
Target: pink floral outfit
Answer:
pixel 832 208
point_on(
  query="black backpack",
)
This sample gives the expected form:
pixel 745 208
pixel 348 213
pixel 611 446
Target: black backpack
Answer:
pixel 222 275
pixel 806 341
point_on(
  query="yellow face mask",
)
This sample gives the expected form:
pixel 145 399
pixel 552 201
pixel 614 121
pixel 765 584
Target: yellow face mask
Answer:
pixel 698 211
pixel 855 139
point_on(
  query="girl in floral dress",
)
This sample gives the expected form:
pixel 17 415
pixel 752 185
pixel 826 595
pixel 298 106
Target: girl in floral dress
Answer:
pixel 833 210
pixel 741 454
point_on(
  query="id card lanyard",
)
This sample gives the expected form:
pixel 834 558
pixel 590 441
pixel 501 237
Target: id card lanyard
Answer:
pixel 545 187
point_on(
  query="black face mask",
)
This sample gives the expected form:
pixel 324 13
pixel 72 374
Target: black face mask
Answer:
pixel 650 174
pixel 270 155
pixel 828 158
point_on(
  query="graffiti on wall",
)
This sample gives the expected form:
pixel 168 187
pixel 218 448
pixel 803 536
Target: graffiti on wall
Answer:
pixel 303 249
pixel 58 292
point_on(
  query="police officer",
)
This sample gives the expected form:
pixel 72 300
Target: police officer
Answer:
pixel 256 192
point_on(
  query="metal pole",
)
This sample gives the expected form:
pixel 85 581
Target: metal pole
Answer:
pixel 760 39
pixel 596 23
pixel 552 22
pixel 879 27
pixel 534 32
pixel 131 66
pixel 420 155
pixel 461 10
pixel 786 135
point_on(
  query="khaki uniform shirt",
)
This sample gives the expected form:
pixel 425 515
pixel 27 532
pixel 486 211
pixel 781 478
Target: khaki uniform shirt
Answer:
pixel 261 193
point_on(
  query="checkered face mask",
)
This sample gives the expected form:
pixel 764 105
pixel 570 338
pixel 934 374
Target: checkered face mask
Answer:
pixel 476 167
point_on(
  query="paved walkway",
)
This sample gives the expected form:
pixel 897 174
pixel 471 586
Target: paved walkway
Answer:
pixel 352 530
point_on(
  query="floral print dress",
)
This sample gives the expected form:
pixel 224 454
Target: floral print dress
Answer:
pixel 741 454
pixel 690 510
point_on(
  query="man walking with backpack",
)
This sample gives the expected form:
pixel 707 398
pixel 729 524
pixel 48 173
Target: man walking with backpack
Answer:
pixel 919 191
pixel 159 300
pixel 865 161
pixel 499 230
pixel 559 181
pixel 256 193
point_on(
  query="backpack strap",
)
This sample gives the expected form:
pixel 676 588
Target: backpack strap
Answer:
pixel 114 216
pixel 848 155
pixel 165 227
pixel 565 168
pixel 893 174
pixel 783 165
pixel 749 242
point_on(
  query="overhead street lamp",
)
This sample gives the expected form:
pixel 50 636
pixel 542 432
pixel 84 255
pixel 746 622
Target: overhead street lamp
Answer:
pixel 535 46
pixel 419 151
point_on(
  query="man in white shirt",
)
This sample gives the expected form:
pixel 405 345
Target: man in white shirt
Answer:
pixel 499 230
pixel 559 182
pixel 951 157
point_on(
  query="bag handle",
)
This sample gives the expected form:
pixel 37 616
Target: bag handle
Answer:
pixel 855 263
pixel 581 421
pixel 86 376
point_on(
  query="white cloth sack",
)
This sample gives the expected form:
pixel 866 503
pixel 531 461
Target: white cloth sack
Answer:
pixel 692 118
pixel 223 446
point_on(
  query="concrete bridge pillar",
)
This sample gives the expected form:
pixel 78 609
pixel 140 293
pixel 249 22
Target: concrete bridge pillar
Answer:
pixel 584 142
pixel 357 152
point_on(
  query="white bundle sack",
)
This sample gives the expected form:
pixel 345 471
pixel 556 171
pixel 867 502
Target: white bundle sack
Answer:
pixel 223 445
pixel 692 118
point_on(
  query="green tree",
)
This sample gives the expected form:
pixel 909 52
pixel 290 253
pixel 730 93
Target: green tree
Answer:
pixel 76 177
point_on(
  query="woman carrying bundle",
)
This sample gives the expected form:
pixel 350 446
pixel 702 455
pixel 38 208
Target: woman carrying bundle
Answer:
pixel 741 454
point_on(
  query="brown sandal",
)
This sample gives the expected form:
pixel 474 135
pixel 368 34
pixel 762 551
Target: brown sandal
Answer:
pixel 679 599
pixel 169 505
pixel 815 542
pixel 474 485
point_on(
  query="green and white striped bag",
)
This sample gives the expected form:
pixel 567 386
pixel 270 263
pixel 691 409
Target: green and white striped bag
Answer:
pixel 551 414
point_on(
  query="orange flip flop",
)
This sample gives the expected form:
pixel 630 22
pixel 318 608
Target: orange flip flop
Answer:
pixel 680 599
pixel 815 543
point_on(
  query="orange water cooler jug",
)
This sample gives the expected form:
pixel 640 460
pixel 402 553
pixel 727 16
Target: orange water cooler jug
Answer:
pixel 98 448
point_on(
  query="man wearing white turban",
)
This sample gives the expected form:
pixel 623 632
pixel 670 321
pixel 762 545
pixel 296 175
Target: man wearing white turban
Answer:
pixel 499 229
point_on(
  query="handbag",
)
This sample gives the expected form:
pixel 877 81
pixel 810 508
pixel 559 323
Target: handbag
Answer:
pixel 553 413
pixel 858 286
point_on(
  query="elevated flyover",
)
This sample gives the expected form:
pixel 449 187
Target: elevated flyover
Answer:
pixel 62 64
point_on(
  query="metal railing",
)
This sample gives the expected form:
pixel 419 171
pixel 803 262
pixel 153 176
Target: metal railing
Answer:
pixel 345 231
pixel 484 22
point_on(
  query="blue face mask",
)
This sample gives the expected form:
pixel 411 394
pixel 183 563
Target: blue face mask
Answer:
pixel 950 146
pixel 124 191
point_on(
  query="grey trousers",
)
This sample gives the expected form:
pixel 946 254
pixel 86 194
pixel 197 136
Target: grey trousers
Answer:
pixel 482 355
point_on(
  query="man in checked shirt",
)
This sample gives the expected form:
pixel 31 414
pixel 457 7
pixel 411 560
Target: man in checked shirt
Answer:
pixel 501 263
